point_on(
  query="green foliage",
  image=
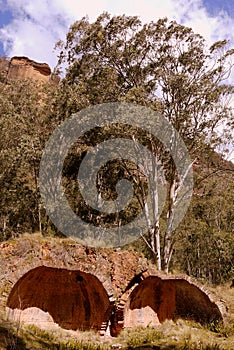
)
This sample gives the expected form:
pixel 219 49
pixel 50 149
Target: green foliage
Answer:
pixel 74 345
pixel 56 340
pixel 162 65
pixel 24 127
pixel 189 346
pixel 205 248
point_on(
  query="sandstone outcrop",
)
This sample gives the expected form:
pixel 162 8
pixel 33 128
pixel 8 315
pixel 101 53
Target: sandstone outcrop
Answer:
pixel 19 68
pixel 23 68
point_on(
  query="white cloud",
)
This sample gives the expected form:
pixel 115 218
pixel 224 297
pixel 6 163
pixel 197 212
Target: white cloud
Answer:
pixel 35 29
pixel 23 39
pixel 76 9
pixel 37 25
pixel 148 10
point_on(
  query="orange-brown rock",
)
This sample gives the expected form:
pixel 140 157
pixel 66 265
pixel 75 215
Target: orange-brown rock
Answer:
pixel 115 269
pixel 20 68
pixel 23 68
pixel 74 299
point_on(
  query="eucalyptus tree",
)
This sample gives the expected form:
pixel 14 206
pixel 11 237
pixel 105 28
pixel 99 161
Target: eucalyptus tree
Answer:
pixel 162 65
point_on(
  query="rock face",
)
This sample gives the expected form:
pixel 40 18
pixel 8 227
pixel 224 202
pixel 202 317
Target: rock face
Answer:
pixel 115 269
pixel 19 68
pixel 74 299
pixel 23 67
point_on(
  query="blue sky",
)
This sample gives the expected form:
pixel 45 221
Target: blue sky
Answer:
pixel 5 18
pixel 215 6
pixel 31 28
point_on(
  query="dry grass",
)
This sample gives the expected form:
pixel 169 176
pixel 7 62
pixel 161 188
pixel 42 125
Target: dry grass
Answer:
pixel 33 338
pixel 226 295
pixel 180 335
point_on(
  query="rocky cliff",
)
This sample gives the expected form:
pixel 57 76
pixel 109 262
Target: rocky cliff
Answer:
pixel 24 68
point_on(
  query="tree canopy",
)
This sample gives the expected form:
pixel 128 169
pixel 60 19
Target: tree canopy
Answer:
pixel 161 65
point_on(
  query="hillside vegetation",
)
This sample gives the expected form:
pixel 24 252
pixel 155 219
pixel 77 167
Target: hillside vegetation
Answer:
pixel 169 69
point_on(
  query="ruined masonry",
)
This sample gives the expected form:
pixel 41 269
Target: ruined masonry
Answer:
pixel 74 300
